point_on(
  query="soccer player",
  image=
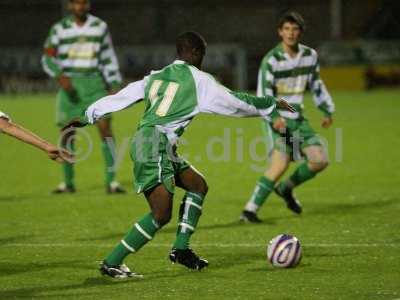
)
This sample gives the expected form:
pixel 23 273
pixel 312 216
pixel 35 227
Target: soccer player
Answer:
pixel 173 96
pixel 79 55
pixel 17 131
pixel 286 71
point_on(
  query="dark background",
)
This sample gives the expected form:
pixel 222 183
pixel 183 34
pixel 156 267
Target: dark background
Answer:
pixel 250 24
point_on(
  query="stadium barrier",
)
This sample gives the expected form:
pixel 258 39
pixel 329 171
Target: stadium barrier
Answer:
pixel 368 63
pixel 21 70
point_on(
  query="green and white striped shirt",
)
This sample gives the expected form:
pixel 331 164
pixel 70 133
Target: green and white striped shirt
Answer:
pixel 285 77
pixel 81 50
pixel 174 95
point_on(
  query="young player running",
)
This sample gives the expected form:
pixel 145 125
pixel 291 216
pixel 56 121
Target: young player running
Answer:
pixel 173 97
pixel 79 54
pixel 24 135
pixel 286 71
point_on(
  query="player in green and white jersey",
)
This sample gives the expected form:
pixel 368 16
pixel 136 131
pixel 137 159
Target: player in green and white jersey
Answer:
pixel 173 96
pixel 286 71
pixel 12 129
pixel 79 54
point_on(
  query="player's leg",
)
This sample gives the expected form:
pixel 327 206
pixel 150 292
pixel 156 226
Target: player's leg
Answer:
pixel 153 174
pixel 160 202
pixel 191 206
pixel 189 214
pixel 265 185
pixel 108 149
pixel 316 161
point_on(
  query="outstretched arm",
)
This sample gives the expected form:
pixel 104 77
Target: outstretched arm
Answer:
pixel 26 136
pixel 217 99
pixel 126 97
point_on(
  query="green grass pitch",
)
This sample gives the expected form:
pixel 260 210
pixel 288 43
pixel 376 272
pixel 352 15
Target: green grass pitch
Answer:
pixel 350 229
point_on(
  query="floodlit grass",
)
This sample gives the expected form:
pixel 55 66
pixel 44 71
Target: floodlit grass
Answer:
pixel 50 245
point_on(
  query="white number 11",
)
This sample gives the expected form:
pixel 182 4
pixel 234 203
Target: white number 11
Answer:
pixel 167 99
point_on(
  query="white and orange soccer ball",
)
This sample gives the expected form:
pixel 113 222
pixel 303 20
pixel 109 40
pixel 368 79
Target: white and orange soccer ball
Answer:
pixel 284 251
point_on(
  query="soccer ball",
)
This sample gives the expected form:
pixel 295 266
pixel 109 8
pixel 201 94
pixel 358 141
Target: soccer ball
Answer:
pixel 284 251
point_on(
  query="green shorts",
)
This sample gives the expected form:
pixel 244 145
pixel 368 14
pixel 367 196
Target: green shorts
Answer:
pixel 88 89
pixel 298 135
pixel 155 161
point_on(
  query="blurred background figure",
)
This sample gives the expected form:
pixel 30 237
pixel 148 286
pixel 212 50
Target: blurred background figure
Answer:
pixel 79 55
pixel 286 71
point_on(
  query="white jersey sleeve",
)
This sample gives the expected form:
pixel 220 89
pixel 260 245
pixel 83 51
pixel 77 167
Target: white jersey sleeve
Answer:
pixel 3 115
pixel 214 98
pixel 131 94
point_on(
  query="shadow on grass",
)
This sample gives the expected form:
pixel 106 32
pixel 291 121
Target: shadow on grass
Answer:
pixel 172 229
pixel 12 268
pixel 269 268
pixel 37 292
pixel 33 292
pixel 340 208
pixel 99 188
pixel 330 254
pixel 14 239
pixel 19 198
pixel 226 258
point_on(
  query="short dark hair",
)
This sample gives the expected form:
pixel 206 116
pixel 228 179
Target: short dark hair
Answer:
pixel 189 40
pixel 292 17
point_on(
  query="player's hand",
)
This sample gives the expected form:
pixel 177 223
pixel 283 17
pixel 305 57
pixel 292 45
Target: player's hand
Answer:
pixel 65 83
pixel 283 104
pixel 326 122
pixel 75 123
pixel 279 124
pixel 59 155
pixel 112 91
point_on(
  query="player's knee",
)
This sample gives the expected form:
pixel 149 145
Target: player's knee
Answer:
pixel 318 166
pixel 204 188
pixel 107 134
pixel 274 173
pixel 200 186
pixel 162 218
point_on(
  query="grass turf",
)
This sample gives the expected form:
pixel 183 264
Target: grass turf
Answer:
pixel 50 245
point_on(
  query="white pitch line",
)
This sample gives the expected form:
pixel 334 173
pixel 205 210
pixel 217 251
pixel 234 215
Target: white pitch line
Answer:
pixel 202 245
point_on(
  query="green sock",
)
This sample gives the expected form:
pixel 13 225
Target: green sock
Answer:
pixel 263 188
pixel 301 175
pixel 142 232
pixel 108 151
pixel 189 214
pixel 68 169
